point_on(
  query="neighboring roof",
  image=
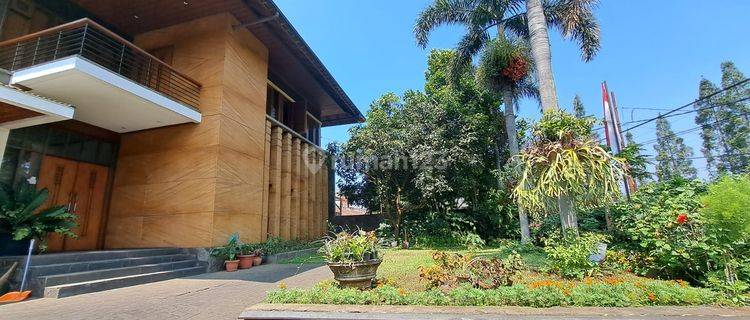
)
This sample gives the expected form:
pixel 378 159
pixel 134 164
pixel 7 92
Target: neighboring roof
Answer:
pixel 291 59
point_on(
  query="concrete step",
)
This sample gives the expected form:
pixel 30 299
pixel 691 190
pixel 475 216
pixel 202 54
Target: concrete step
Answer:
pixel 72 289
pixel 36 270
pixel 88 256
pixel 59 279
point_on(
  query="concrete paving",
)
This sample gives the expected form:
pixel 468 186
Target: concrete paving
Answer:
pixel 220 295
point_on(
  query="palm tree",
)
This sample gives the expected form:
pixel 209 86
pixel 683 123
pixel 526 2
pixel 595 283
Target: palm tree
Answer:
pixel 479 16
pixel 573 17
pixel 576 21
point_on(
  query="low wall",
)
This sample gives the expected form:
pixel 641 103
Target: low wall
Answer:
pixel 368 222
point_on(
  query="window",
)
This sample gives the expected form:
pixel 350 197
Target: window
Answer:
pixel 313 130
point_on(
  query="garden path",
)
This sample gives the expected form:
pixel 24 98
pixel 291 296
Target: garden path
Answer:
pixel 219 295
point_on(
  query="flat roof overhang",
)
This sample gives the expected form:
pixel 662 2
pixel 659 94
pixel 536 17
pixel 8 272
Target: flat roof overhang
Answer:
pixel 103 98
pixel 292 63
pixel 20 109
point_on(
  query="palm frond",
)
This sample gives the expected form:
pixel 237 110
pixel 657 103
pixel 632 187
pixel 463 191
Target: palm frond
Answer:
pixel 472 42
pixel 441 12
pixel 576 21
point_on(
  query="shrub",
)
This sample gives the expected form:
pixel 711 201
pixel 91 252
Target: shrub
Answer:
pixel 21 218
pixel 570 257
pixel 230 250
pixel 613 292
pixel 453 269
pixel 661 222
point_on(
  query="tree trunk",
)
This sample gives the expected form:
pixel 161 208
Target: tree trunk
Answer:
pixel 540 51
pixel 510 129
pixel 498 147
pixel 568 217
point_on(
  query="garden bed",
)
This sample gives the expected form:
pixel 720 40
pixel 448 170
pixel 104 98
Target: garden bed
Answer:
pixel 400 284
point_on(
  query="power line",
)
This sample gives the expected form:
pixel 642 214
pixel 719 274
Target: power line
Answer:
pixel 690 111
pixel 688 104
pixel 695 128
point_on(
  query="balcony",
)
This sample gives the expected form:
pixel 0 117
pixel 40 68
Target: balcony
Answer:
pixel 111 82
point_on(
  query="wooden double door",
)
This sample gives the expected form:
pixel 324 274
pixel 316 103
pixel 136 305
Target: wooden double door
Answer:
pixel 82 188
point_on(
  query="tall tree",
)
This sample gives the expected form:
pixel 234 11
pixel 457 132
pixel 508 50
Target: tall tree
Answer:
pixel 635 160
pixel 672 155
pixel 575 19
pixel 578 108
pixel 706 118
pixel 509 20
pixel 734 115
pixel 478 16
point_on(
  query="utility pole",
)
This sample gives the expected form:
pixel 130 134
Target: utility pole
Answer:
pixel 613 130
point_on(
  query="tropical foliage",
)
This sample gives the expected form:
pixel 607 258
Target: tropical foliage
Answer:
pixel 347 247
pixel 21 214
pixel 563 161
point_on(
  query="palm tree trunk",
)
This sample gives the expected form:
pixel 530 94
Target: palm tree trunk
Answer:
pixel 568 217
pixel 497 148
pixel 510 129
pixel 540 50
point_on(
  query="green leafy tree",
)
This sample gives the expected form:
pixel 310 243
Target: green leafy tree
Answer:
pixel 578 108
pixel 672 155
pixel 425 155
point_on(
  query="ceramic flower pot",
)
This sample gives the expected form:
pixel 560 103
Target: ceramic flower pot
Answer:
pixel 246 261
pixel 257 260
pixel 231 265
pixel 355 274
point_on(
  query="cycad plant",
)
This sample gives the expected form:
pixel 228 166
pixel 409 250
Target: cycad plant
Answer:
pixel 564 162
pixel 20 214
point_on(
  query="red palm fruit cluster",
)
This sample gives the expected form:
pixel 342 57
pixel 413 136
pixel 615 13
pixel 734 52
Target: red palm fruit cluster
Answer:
pixel 516 69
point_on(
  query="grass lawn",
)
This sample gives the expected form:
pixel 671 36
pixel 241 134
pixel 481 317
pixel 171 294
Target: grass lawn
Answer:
pixel 402 266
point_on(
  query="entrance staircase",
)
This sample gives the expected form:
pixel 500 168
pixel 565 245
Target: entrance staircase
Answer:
pixel 60 275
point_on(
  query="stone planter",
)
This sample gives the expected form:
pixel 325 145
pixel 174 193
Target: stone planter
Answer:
pixel 355 274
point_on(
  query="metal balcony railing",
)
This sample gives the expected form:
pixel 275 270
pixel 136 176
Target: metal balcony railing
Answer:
pixel 89 40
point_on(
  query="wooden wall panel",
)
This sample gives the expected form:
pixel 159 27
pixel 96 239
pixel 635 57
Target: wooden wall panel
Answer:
pixel 295 196
pixel 193 185
pixel 286 186
pixel 304 204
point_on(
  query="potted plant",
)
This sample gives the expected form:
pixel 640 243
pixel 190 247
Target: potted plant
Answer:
pixel 22 220
pixel 229 252
pixel 353 258
pixel 246 256
pixel 258 257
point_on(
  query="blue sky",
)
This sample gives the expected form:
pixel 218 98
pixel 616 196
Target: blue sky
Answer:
pixel 653 53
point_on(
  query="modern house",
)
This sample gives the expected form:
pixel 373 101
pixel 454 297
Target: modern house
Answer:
pixel 167 123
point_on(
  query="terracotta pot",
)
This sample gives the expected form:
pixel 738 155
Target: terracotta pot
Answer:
pixel 257 260
pixel 356 274
pixel 246 261
pixel 231 265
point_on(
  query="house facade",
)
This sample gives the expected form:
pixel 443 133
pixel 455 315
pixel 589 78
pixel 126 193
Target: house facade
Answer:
pixel 167 123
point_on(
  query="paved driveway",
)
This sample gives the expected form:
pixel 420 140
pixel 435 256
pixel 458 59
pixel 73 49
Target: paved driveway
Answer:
pixel 220 295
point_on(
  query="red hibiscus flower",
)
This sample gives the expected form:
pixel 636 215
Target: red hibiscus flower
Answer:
pixel 681 218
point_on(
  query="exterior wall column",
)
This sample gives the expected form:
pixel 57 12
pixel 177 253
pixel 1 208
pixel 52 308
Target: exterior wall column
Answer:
pixel 286 186
pixel 304 175
pixel 274 194
pixel 295 195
